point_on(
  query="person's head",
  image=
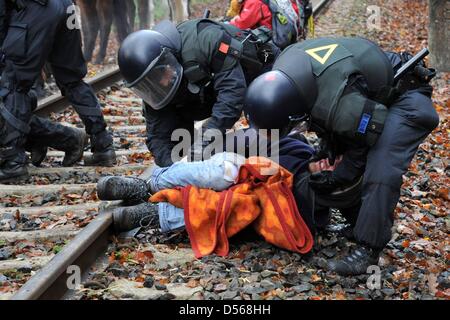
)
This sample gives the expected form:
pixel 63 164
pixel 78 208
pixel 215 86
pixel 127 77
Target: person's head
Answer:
pixel 148 63
pixel 272 101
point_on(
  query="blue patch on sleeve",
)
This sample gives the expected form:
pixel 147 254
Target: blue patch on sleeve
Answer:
pixel 365 119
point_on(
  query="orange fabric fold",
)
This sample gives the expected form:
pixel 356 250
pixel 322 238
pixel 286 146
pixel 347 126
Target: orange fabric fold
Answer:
pixel 264 201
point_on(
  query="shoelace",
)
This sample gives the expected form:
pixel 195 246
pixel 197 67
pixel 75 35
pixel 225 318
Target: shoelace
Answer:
pixel 151 221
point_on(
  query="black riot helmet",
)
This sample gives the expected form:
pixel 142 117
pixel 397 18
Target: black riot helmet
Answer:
pixel 282 98
pixel 272 101
pixel 147 61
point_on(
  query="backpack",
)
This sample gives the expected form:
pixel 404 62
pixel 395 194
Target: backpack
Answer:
pixel 284 28
pixel 250 47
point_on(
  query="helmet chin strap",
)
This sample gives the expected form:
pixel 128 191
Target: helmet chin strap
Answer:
pixel 294 121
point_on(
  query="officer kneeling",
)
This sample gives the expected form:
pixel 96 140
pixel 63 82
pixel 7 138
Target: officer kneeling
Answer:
pixel 196 70
pixel 344 87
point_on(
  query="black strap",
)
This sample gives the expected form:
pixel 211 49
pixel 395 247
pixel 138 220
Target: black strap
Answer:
pixel 219 57
pixel 7 152
pixel 11 137
pixel 365 121
pixel 41 2
pixel 13 121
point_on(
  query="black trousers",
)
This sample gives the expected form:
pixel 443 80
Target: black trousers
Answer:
pixel 37 34
pixel 371 206
pixel 410 120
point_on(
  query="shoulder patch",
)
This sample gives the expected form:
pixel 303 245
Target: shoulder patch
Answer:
pixel 224 47
pixel 328 50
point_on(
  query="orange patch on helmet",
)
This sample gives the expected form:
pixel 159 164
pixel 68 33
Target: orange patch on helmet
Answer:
pixel 270 77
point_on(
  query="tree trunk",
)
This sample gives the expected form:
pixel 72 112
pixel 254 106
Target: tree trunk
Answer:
pixel 439 31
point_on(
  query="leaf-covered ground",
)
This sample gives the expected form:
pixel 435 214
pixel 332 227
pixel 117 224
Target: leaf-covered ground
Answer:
pixel 414 264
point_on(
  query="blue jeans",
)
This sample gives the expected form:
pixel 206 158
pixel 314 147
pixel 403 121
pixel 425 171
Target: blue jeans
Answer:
pixel 217 173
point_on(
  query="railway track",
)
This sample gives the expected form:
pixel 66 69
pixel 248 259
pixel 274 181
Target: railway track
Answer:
pixel 54 220
pixel 41 215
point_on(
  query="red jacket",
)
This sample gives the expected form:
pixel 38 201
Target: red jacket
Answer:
pixel 255 13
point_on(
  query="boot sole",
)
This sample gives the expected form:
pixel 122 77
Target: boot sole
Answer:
pixel 20 178
pixel 101 164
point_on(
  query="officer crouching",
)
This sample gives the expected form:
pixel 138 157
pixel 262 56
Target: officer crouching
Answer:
pixel 344 88
pixel 196 70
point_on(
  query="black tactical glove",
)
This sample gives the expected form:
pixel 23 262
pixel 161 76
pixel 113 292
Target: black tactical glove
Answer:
pixel 323 182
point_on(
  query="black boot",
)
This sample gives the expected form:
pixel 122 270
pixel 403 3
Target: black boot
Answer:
pixel 73 144
pixel 356 262
pixel 122 188
pixel 38 152
pixel 106 158
pixel 14 168
pixel 75 153
pixel 45 133
pixel 128 218
pixel 103 154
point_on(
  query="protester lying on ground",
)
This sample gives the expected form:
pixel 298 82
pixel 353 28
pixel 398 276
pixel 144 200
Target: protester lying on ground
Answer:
pixel 198 186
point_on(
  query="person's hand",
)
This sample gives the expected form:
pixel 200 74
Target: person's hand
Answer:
pixel 324 165
pixel 323 182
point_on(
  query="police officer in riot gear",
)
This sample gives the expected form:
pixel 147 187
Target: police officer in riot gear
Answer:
pixel 40 31
pixel 196 70
pixel 344 88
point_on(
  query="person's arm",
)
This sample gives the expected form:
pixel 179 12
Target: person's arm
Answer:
pixel 160 125
pixel 230 87
pixel 250 15
pixel 352 165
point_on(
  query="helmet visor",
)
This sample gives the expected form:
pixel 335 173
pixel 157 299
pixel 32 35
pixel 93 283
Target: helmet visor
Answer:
pixel 159 83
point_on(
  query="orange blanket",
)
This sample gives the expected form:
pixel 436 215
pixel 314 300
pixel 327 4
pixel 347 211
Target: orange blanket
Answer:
pixel 264 201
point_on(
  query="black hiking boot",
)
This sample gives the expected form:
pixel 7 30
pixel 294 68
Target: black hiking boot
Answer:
pixel 13 169
pixel 103 154
pixel 356 262
pixel 141 215
pixel 75 140
pixel 106 158
pixel 122 188
pixel 38 153
pixel 75 154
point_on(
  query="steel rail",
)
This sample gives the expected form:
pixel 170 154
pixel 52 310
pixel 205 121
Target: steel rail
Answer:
pixel 57 102
pixel 50 282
